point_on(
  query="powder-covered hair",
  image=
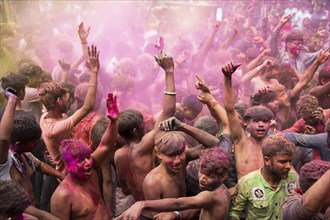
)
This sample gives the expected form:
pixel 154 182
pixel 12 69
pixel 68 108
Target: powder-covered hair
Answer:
pixel 170 143
pixel 277 144
pixel 81 92
pixel 306 105
pixel 29 69
pixel 214 161
pixel 73 149
pixel 258 113
pixel 122 82
pixel 311 172
pixel 13 200
pixel 48 94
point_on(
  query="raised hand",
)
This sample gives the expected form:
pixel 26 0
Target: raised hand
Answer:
pixel 112 107
pixel 165 62
pixel 286 17
pixel 229 68
pixel 171 124
pixel 93 55
pixel 10 92
pixel 201 85
pixel 216 26
pixel 65 66
pixel 323 56
pixel 83 34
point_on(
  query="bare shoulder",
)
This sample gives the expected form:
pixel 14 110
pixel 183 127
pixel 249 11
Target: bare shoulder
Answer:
pixel 63 193
pixel 153 178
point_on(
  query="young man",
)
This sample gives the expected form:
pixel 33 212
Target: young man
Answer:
pixel 293 53
pixel 214 201
pixel 167 180
pixel 135 160
pixel 248 155
pixel 18 137
pixel 261 193
pixel 322 90
pixel 56 125
pixel 82 184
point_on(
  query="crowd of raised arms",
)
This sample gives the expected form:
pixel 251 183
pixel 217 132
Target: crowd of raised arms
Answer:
pixel 228 121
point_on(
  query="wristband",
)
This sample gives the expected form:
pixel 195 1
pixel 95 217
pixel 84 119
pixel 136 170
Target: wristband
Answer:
pixel 92 85
pixel 213 104
pixel 178 216
pixel 170 93
pixel 83 42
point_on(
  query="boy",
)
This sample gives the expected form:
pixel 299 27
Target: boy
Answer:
pixel 214 201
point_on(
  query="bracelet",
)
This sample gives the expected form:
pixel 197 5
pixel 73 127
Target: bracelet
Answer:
pixel 170 93
pixel 92 85
pixel 83 42
pixel 178 216
pixel 214 104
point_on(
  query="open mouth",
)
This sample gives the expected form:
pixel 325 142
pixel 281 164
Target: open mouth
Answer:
pixel 88 171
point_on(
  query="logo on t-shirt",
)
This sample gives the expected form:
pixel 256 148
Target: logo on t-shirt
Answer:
pixel 258 193
pixel 290 187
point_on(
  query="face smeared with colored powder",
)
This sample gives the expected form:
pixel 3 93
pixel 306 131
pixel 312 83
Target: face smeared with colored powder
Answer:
pixel 77 157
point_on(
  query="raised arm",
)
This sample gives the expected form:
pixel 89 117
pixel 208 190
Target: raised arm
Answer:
pixel 7 123
pixel 146 145
pixel 110 135
pixel 90 97
pixel 236 131
pixel 308 76
pixel 216 110
pixel 317 194
pixel 225 45
pixel 275 35
pixel 320 90
pixel 206 139
pixel 249 75
pixel 65 70
pixel 83 34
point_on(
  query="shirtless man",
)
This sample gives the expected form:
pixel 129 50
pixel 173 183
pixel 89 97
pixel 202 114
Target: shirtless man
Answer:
pixel 135 160
pixel 214 201
pixel 167 180
pixel 322 90
pixel 78 196
pixel 248 155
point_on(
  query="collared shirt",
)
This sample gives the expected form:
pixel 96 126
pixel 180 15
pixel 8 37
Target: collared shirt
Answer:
pixel 258 198
pixel 301 62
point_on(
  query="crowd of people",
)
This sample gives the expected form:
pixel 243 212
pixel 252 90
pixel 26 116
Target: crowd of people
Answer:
pixel 229 120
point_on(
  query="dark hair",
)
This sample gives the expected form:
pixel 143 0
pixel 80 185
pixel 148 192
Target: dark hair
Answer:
pixel 72 149
pixel 29 69
pixel 268 97
pixel 25 130
pixel 13 200
pixel 240 108
pixel 276 144
pixel 258 113
pixel 15 81
pixel 98 130
pixel 193 104
pixel 306 105
pixel 127 121
pixel 207 124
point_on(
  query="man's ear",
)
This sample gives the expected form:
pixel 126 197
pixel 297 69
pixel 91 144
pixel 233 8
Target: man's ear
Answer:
pixel 134 131
pixel 158 153
pixel 267 161
pixel 17 146
pixel 59 101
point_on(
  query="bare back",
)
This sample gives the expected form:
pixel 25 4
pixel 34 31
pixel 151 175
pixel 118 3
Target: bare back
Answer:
pixel 220 208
